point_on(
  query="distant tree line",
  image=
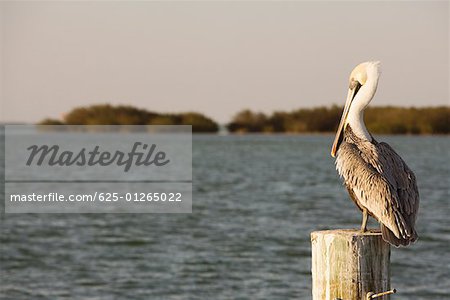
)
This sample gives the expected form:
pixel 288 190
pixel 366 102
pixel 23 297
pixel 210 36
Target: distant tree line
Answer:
pixel 106 114
pixel 381 120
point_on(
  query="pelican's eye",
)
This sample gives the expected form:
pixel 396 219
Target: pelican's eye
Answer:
pixel 354 85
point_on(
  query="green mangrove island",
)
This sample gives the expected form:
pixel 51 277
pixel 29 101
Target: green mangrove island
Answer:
pixel 380 120
pixel 105 114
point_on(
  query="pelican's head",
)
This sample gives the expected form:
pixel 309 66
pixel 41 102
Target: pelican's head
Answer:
pixel 363 83
pixel 364 72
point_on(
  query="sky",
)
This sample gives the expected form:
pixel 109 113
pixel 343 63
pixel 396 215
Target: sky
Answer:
pixel 216 58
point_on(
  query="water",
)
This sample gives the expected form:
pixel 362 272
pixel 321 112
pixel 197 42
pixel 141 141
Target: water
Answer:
pixel 256 199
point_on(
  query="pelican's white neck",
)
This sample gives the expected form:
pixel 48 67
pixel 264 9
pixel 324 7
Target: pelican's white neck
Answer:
pixel 356 121
pixel 355 116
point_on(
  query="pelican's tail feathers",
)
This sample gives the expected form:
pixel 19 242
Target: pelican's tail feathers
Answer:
pixel 390 237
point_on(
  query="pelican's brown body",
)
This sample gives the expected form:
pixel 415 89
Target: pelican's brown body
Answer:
pixel 381 184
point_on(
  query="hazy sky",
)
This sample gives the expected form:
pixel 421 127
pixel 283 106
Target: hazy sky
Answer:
pixel 216 57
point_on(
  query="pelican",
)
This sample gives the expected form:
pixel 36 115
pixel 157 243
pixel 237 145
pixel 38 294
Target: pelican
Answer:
pixel 377 179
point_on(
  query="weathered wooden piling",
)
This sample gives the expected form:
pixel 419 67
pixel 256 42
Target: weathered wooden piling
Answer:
pixel 349 264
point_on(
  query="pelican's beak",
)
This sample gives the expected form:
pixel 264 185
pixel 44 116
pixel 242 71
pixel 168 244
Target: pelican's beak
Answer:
pixel 340 131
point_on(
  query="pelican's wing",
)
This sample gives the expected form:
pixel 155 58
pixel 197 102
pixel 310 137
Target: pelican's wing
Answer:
pixel 384 185
pixel 398 174
pixel 401 178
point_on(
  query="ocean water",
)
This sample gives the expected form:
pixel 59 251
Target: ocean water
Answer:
pixel 256 199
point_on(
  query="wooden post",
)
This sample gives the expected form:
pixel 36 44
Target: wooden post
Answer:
pixel 348 264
